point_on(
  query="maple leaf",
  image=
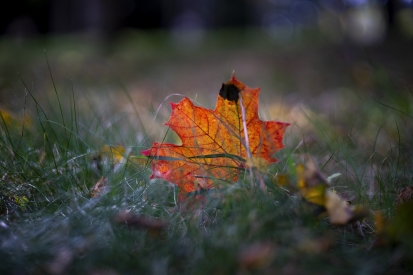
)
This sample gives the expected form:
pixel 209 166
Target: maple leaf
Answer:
pixel 216 144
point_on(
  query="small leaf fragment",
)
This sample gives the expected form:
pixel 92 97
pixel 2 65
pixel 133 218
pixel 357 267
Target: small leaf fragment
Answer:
pixel 405 195
pixel 312 184
pixel 11 120
pixel 116 153
pixel 100 187
pixel 337 208
pixel 21 201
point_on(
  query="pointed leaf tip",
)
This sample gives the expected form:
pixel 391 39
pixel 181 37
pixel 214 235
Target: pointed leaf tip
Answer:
pixel 233 78
pixel 146 152
pixel 173 105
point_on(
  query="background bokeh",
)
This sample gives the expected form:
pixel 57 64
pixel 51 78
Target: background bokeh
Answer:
pixel 325 55
pixel 362 21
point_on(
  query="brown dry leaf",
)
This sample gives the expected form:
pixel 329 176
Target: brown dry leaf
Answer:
pixel 314 188
pixel 381 224
pixel 257 255
pixel 405 195
pixel 100 187
pixel 379 221
pixel 116 153
pixel 312 184
pixel 12 120
pixel 282 180
pixel 152 225
pixel 285 182
pixel 340 212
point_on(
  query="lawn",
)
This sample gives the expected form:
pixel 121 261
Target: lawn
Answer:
pixel 76 195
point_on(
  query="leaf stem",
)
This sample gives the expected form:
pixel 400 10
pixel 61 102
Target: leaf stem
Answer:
pixel 247 148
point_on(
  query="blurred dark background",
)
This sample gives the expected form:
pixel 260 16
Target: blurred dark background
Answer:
pixel 362 21
pixel 300 49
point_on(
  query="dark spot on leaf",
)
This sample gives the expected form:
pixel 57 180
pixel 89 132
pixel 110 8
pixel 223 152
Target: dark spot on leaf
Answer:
pixel 230 92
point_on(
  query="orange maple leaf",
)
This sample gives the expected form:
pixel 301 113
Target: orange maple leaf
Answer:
pixel 215 145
